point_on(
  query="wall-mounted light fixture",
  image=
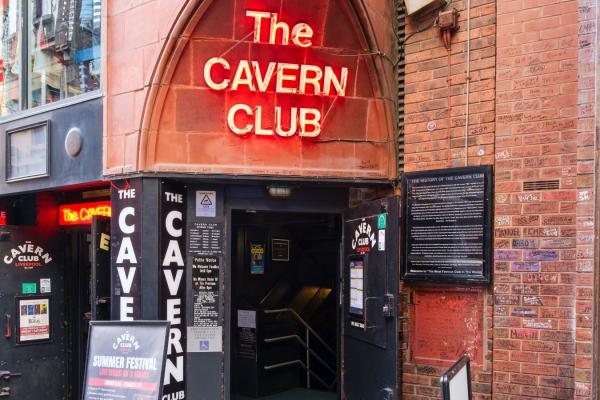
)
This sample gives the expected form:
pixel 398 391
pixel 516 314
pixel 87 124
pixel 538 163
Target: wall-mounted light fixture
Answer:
pixel 279 191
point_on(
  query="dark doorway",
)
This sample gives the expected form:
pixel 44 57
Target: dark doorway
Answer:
pixel 78 307
pixel 285 305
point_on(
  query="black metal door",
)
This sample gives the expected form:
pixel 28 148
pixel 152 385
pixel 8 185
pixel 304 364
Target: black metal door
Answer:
pixel 32 346
pixel 100 290
pixel 370 290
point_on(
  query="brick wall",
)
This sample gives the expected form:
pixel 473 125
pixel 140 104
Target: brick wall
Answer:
pixel 435 139
pixel 544 132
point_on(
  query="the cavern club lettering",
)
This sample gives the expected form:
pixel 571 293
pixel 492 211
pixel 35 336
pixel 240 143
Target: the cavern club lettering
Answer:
pixel 173 292
pixel 253 76
pixel 27 255
pixel 82 214
pixel 364 238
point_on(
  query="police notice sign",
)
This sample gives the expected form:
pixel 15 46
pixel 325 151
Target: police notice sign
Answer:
pixel 125 360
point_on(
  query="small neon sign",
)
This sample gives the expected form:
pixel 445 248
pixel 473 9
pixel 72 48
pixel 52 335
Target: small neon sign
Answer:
pixel 82 213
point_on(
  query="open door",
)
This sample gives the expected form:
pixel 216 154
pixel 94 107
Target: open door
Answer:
pixel 370 290
pixel 100 290
pixel 32 349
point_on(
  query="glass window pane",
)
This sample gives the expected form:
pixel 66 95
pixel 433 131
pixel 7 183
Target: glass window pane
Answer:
pixel 10 57
pixel 28 153
pixel 65 49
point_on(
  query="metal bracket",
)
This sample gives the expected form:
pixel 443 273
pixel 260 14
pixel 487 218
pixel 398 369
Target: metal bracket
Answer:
pixel 389 305
pixel 388 394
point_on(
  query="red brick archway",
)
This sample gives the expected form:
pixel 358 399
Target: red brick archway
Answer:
pixel 184 127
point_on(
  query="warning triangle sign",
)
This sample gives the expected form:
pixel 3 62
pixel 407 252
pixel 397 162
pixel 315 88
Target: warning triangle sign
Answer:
pixel 206 201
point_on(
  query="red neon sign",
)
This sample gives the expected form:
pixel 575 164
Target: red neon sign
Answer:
pixel 286 78
pixel 82 213
pixel 2 217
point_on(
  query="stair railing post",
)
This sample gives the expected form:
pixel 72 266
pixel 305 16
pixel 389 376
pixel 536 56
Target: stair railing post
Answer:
pixel 307 358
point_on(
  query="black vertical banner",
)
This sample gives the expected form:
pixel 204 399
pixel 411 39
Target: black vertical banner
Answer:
pixel 172 304
pixel 100 290
pixel 126 244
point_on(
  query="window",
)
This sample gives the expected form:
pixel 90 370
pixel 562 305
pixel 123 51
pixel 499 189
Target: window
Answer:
pixel 62 51
pixel 27 153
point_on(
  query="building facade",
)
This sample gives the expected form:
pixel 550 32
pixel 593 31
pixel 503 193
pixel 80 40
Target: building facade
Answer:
pixel 251 156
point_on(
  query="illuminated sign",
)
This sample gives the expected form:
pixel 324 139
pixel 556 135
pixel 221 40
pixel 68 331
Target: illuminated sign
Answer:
pixel 285 78
pixel 82 213
pixel 2 217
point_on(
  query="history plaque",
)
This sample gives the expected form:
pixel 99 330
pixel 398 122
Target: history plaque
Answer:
pixel 448 225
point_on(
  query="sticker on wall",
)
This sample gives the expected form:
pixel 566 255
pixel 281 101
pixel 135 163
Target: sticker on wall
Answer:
pixel 381 243
pixel 27 256
pixel 257 259
pixel 206 203
pixel 382 221
pixel 364 238
pixel 29 288
pixel 45 285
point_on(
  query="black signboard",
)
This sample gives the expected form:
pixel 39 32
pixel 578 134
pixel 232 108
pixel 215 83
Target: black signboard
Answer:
pixel 125 360
pixel 173 284
pixel 126 245
pixel 448 225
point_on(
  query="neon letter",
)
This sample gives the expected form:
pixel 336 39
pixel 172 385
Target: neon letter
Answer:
pixel 282 77
pixel 293 122
pixel 314 122
pixel 339 84
pixel 243 69
pixel 207 77
pixel 257 15
pixel 315 81
pixel 300 32
pixel 263 81
pixel 231 119
pixel 258 121
pixel 275 26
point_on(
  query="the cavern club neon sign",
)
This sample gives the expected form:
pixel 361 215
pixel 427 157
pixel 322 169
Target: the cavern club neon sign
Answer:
pixel 82 213
pixel 303 79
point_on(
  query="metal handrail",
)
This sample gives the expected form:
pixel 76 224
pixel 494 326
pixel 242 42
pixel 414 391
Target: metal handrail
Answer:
pixel 305 345
pixel 302 322
pixel 299 362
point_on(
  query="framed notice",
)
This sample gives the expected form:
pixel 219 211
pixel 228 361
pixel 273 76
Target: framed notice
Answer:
pixel 447 225
pixel 125 360
pixel 357 287
pixel 280 249
pixel 33 322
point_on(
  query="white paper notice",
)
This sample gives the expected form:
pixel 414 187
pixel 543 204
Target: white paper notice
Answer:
pixel 246 319
pixel 204 339
pixel 45 285
pixel 381 243
pixel 356 287
pixel 34 319
pixel 206 204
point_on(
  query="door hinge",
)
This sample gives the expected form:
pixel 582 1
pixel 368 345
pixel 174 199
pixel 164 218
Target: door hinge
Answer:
pixel 389 306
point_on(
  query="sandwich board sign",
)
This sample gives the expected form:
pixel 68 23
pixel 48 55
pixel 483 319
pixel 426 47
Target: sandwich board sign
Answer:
pixel 456 382
pixel 125 360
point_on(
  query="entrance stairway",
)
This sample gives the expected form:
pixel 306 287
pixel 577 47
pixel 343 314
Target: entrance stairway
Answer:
pixel 296 341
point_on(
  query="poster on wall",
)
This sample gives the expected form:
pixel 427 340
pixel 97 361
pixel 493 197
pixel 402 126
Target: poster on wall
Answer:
pixel 33 324
pixel 257 259
pixel 448 225
pixel 125 360
pixel 280 250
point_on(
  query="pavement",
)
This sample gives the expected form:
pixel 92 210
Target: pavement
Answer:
pixel 294 394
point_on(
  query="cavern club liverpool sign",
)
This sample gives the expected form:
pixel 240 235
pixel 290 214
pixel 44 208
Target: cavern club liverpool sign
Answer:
pixel 252 76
